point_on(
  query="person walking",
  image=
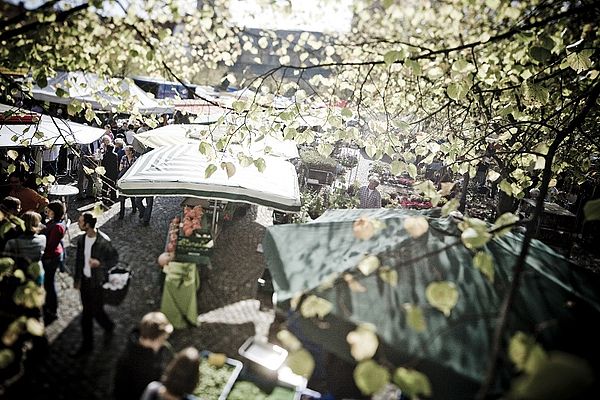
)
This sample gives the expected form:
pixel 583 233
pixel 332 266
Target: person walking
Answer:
pixel 9 225
pixel 95 256
pixel 179 380
pixel 145 210
pixel 126 162
pixel 110 162
pixel 53 257
pixel 145 356
pixel 368 195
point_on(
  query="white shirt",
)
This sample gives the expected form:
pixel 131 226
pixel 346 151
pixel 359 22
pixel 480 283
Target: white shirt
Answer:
pixel 87 254
pixel 369 193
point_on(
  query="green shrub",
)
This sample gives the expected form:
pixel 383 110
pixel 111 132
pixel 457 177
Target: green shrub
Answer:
pixel 313 160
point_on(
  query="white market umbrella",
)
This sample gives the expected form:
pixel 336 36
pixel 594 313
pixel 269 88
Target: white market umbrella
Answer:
pixel 93 89
pixel 47 131
pixel 193 134
pixel 179 170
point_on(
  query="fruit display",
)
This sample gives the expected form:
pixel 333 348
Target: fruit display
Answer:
pixel 216 376
pixel 192 220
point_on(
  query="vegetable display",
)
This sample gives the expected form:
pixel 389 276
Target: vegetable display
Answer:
pixel 213 380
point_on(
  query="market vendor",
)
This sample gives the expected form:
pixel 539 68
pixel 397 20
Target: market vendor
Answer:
pixel 369 195
pixel 30 199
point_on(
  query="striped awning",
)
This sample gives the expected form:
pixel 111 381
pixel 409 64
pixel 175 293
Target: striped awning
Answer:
pixel 179 170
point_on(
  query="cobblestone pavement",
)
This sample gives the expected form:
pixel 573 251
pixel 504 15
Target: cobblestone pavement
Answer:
pixel 59 376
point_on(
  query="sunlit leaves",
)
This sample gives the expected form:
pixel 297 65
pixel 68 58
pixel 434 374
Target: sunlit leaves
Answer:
pixel 457 90
pixel 363 342
pixel 392 56
pixel 354 284
pixel 536 93
pixel 210 170
pixel 412 382
pixel 442 296
pixel 12 154
pixel 414 317
pixel 364 228
pixel 416 226
pixel 484 262
pixel 388 275
pixel 369 264
pixel 260 164
pixel 288 340
pixel 7 356
pixel 580 61
pixel 507 220
pixel 450 206
pixel 370 377
pixel 301 362
pixel 539 54
pixel 525 352
pixel 229 167
pixel 314 306
pixel 474 238
pixel 412 170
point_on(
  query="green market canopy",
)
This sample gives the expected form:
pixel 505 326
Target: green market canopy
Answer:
pixel 179 170
pixel 555 301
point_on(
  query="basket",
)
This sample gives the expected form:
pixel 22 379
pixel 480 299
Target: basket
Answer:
pixel 115 294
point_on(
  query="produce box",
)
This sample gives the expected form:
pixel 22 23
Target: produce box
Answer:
pixel 218 374
pixel 245 390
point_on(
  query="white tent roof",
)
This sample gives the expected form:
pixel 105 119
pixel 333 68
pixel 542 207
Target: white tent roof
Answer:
pixel 47 131
pixel 93 89
pixel 180 171
pixel 193 134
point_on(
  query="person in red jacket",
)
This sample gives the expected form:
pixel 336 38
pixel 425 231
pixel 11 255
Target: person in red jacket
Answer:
pixel 53 257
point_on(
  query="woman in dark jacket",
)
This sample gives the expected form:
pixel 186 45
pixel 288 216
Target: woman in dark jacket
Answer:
pixel 53 257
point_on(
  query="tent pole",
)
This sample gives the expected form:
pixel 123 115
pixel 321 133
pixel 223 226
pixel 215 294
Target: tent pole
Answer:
pixel 214 220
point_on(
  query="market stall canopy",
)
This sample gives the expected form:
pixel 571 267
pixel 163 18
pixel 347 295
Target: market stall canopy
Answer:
pixel 554 302
pixel 202 111
pixel 91 88
pixel 179 170
pixel 193 134
pixel 42 130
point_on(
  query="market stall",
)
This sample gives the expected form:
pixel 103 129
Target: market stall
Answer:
pixel 180 171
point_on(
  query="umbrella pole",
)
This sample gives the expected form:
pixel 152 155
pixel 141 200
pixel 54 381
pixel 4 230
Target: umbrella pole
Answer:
pixel 214 220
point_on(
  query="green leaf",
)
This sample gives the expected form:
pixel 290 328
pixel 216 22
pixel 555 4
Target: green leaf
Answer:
pixel 414 317
pixel 580 61
pixel 591 210
pixel 484 262
pixel 414 66
pixel 346 112
pixel 397 167
pixel 389 276
pixel 301 362
pixel 239 105
pixel 289 340
pixel 229 168
pixel 260 164
pixel 493 4
pixel 457 91
pixel 60 92
pixel 368 265
pixel 314 306
pixel 539 54
pixel 98 210
pixel 100 170
pixel 412 170
pixel 474 238
pixel 210 169
pixel 370 377
pixel 205 148
pixel 392 56
pixel 363 342
pixel 505 219
pixel 12 154
pixel 324 149
pixel 89 114
pixel 35 327
pixel 505 187
pixel 450 206
pixel 412 382
pixel 7 356
pixel 560 376
pixel 525 353
pixel 537 93
pixel 11 168
pixel 442 296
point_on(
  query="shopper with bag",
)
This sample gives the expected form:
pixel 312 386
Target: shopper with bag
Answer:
pixel 95 256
